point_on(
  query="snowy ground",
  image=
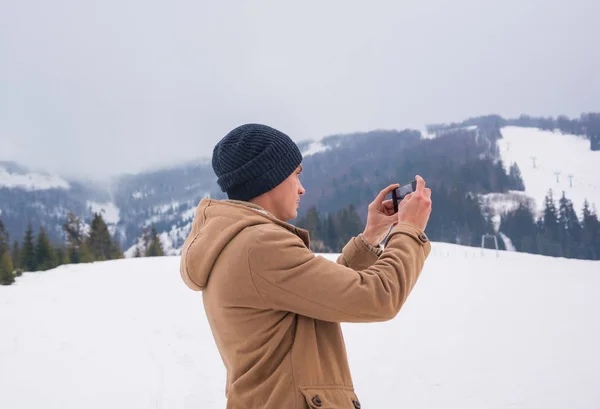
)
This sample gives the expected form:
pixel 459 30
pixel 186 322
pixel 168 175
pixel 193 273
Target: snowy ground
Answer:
pixel 479 331
pixel 569 155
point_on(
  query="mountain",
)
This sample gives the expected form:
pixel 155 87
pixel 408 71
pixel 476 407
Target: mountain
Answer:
pixel 44 200
pixel 480 330
pixel 478 169
pixel 166 199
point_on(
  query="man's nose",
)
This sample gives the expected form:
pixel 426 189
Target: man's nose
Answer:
pixel 301 190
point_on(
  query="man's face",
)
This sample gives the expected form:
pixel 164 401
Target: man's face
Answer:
pixel 285 198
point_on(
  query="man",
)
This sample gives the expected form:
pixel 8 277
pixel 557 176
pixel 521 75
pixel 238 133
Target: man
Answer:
pixel 274 307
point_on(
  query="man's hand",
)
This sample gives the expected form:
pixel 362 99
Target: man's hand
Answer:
pixel 380 217
pixel 415 208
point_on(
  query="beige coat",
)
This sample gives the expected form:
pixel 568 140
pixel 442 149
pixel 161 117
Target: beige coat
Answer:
pixel 275 308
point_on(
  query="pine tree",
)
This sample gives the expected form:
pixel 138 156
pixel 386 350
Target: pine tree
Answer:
pixel 311 222
pixel 73 229
pixel 315 227
pixel 570 229
pixel 85 254
pixel 4 239
pixel 550 245
pixel 28 257
pixel 99 240
pixel 516 180
pixel 519 225
pixel 45 254
pixel 16 255
pixel 6 269
pixel 590 235
pixel 115 250
pixel 73 255
pixel 154 248
pixel 61 254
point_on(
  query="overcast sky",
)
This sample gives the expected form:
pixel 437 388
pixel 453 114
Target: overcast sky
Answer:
pixel 103 87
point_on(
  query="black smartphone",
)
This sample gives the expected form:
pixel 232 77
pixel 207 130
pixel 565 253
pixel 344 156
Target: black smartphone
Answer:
pixel 399 193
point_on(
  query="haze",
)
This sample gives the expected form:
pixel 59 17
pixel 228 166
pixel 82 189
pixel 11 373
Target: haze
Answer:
pixel 94 90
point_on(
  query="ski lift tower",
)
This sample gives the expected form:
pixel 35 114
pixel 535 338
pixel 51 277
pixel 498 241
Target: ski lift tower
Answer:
pixel 489 236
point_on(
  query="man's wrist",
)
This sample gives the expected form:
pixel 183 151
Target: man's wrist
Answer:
pixel 369 239
pixel 375 249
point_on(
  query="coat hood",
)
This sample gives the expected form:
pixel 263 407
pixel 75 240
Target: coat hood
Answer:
pixel 215 224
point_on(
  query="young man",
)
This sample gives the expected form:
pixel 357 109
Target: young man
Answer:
pixel 273 306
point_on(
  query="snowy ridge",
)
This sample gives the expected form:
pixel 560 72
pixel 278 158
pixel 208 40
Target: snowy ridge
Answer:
pixel 570 155
pixel 480 330
pixel 315 147
pixel 31 180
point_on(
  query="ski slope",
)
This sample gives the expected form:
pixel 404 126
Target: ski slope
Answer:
pixel 479 331
pixel 569 155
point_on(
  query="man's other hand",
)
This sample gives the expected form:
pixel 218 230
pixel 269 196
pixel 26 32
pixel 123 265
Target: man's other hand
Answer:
pixel 380 217
pixel 415 208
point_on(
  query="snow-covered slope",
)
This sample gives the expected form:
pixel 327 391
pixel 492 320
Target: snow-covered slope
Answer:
pixel 479 331
pixel 109 211
pixel 552 152
pixel 11 178
pixel 315 147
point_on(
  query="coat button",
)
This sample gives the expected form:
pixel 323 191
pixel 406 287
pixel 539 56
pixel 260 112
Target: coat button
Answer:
pixel 423 237
pixel 317 401
pixel 356 404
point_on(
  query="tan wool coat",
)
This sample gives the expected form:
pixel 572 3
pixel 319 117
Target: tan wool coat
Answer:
pixel 275 308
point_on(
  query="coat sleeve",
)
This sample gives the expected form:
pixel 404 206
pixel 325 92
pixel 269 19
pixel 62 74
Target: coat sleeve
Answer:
pixel 357 255
pixel 289 277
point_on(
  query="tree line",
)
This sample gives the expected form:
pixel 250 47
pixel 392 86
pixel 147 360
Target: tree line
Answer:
pixel 558 232
pixel 83 244
pixel 587 125
pixel 330 232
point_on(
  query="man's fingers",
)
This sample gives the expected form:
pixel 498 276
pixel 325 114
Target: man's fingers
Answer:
pixel 388 204
pixel 381 196
pixel 420 183
pixel 427 193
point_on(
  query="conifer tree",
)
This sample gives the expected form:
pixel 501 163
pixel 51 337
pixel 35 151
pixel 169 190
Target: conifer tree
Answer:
pixel 570 229
pixel 154 248
pixel 85 254
pixel 520 226
pixel 16 255
pixel 6 269
pixel 73 229
pixel 62 255
pixel 44 252
pixel 590 235
pixel 28 257
pixel 99 241
pixel 4 239
pixel 115 249
pixel 550 244
pixel 516 180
